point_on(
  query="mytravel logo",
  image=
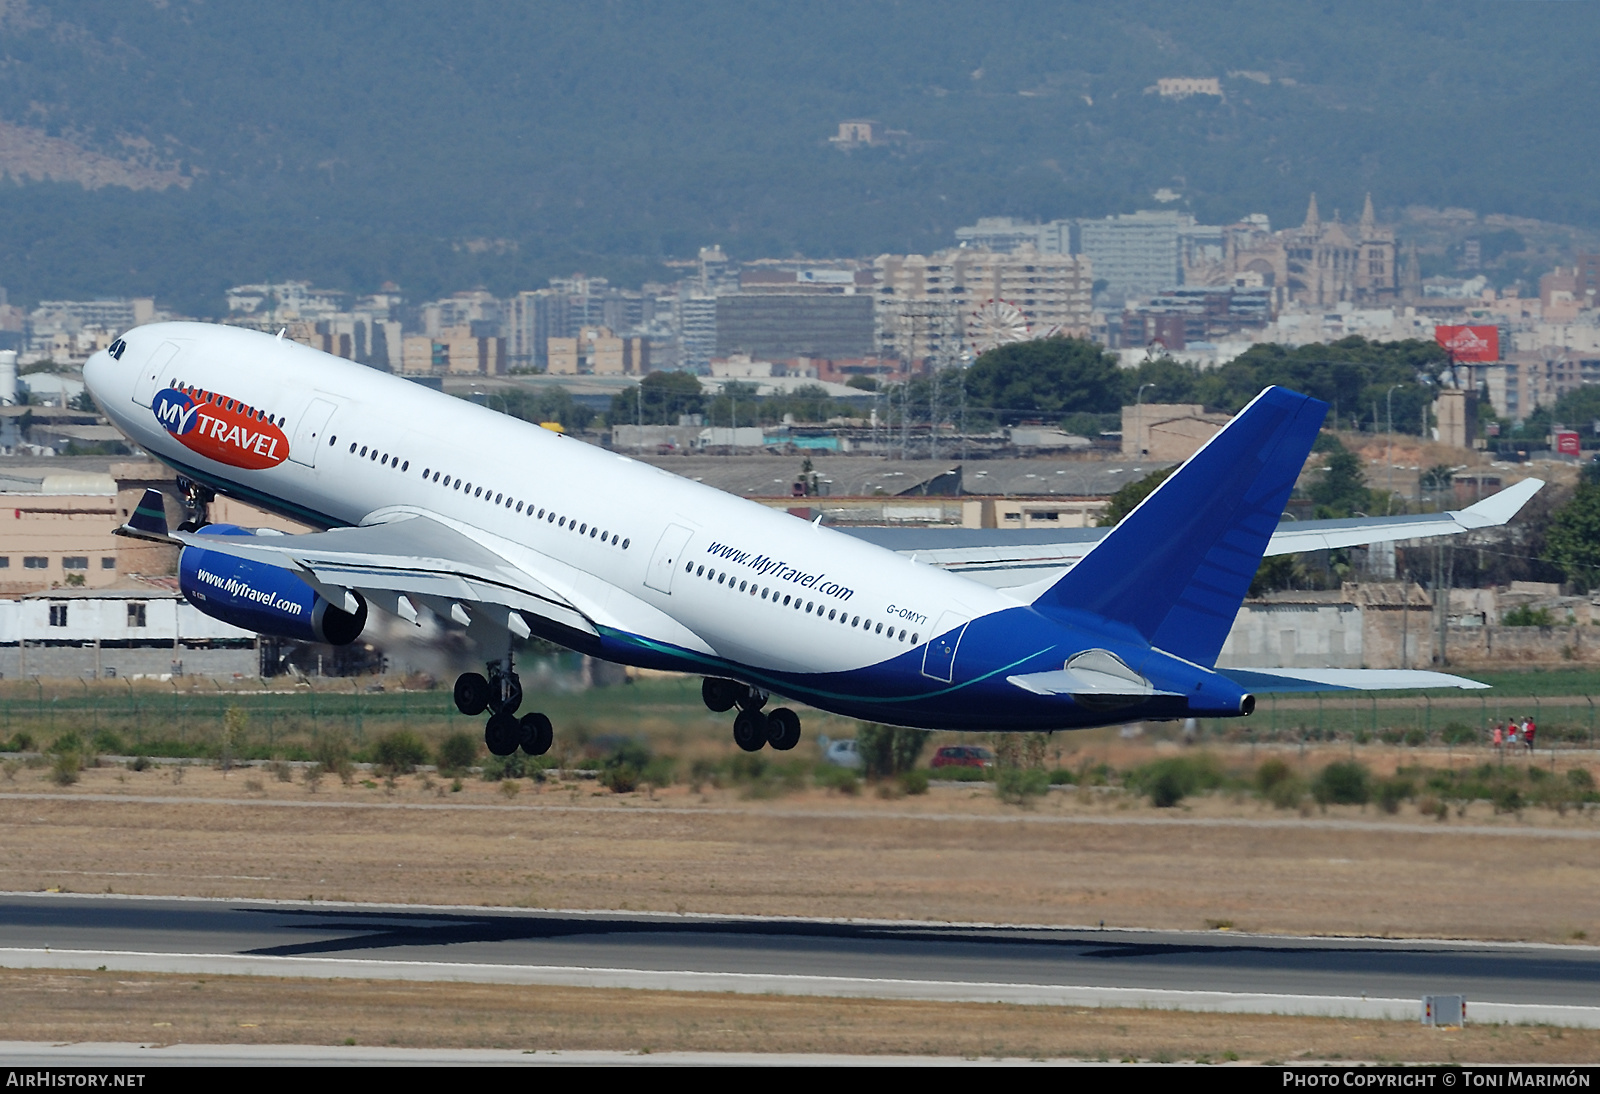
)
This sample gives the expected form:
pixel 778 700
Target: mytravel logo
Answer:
pixel 221 429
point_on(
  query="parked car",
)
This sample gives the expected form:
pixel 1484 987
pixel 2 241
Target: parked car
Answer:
pixel 841 754
pixel 963 756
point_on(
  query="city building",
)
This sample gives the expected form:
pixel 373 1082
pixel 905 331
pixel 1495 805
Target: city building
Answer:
pixel 478 310
pixel 796 323
pixel 865 133
pixel 73 329
pixel 597 351
pixel 1318 264
pixel 1167 432
pixel 283 301
pixel 1008 234
pixel 928 306
pixel 1178 317
pixel 358 337
pixel 140 629
pixel 697 332
pixel 1133 253
pixel 1181 87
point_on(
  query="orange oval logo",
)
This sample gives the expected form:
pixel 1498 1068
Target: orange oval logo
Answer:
pixel 212 429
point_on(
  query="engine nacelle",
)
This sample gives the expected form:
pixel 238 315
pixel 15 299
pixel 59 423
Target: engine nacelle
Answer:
pixel 262 598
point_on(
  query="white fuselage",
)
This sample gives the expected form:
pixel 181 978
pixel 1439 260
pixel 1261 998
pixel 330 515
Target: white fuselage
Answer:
pixel 593 521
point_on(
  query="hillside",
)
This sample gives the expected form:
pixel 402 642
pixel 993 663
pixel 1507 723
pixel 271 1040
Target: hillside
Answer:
pixel 175 148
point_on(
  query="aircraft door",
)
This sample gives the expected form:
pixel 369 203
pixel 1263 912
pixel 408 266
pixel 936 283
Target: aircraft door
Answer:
pixel 664 563
pixel 939 656
pixel 308 437
pixel 150 375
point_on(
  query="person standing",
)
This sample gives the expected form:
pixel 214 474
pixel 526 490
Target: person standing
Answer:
pixel 1498 738
pixel 1528 730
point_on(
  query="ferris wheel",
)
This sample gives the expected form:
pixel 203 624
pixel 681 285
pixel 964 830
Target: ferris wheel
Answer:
pixel 996 323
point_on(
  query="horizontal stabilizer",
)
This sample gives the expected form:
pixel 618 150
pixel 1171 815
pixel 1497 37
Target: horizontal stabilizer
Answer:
pixel 1265 681
pixel 149 519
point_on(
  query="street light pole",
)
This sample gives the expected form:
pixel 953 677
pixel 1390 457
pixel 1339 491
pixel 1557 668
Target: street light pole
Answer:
pixel 1138 420
pixel 1388 507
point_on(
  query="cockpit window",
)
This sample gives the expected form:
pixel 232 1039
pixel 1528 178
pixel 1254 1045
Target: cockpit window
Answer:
pixel 115 349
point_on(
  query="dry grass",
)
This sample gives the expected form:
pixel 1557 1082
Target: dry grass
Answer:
pixel 955 854
pixel 51 1006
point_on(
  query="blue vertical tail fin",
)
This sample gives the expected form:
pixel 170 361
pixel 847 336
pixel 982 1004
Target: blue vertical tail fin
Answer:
pixel 1176 569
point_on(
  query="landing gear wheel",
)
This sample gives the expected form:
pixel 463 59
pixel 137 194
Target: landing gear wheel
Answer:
pixel 537 734
pixel 502 735
pixel 783 729
pixel 472 694
pixel 719 694
pixel 752 700
pixel 750 730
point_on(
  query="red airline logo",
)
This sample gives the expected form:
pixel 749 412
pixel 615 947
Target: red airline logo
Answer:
pixel 221 429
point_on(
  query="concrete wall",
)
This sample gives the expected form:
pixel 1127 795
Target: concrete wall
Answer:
pixel 1387 636
pixel 1296 636
pixel 87 662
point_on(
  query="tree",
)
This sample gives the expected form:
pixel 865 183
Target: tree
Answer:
pixel 1048 377
pixel 1124 501
pixel 1573 539
pixel 551 404
pixel 1341 491
pixel 888 750
pixel 1354 376
pixel 661 398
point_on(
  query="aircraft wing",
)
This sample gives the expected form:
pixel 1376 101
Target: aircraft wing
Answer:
pixel 418 559
pixel 400 564
pixel 1007 557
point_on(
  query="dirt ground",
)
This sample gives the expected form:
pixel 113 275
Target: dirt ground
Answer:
pixel 954 854
pixel 53 1006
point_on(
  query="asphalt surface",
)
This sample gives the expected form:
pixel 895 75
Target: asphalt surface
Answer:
pixel 435 938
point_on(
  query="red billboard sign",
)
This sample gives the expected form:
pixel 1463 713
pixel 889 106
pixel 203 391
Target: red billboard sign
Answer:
pixel 1567 442
pixel 1470 343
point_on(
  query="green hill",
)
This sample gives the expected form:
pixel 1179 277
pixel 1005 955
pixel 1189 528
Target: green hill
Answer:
pixel 496 144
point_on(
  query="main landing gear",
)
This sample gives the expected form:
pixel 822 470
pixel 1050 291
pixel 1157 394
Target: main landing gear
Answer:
pixel 751 728
pixel 500 693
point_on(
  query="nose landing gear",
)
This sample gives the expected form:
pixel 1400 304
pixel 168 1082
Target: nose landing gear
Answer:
pixel 752 730
pixel 197 501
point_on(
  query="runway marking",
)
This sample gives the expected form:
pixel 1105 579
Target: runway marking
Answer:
pixel 101 1054
pixel 160 873
pixel 856 987
pixel 1295 824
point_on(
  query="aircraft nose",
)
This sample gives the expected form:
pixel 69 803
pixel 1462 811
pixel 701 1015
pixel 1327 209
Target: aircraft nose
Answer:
pixel 101 371
pixel 94 374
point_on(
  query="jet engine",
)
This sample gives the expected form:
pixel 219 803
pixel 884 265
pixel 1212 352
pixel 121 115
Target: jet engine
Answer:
pixel 263 598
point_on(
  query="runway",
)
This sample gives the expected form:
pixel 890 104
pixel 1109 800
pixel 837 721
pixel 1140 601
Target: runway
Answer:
pixel 1215 971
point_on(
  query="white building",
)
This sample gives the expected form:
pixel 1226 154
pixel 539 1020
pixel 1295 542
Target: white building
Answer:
pixel 928 305
pixel 122 632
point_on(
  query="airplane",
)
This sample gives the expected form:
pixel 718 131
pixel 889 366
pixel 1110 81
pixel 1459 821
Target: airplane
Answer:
pixel 431 504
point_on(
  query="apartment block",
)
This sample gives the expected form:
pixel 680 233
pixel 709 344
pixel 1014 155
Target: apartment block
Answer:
pixel 597 351
pixel 796 324
pixel 928 305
